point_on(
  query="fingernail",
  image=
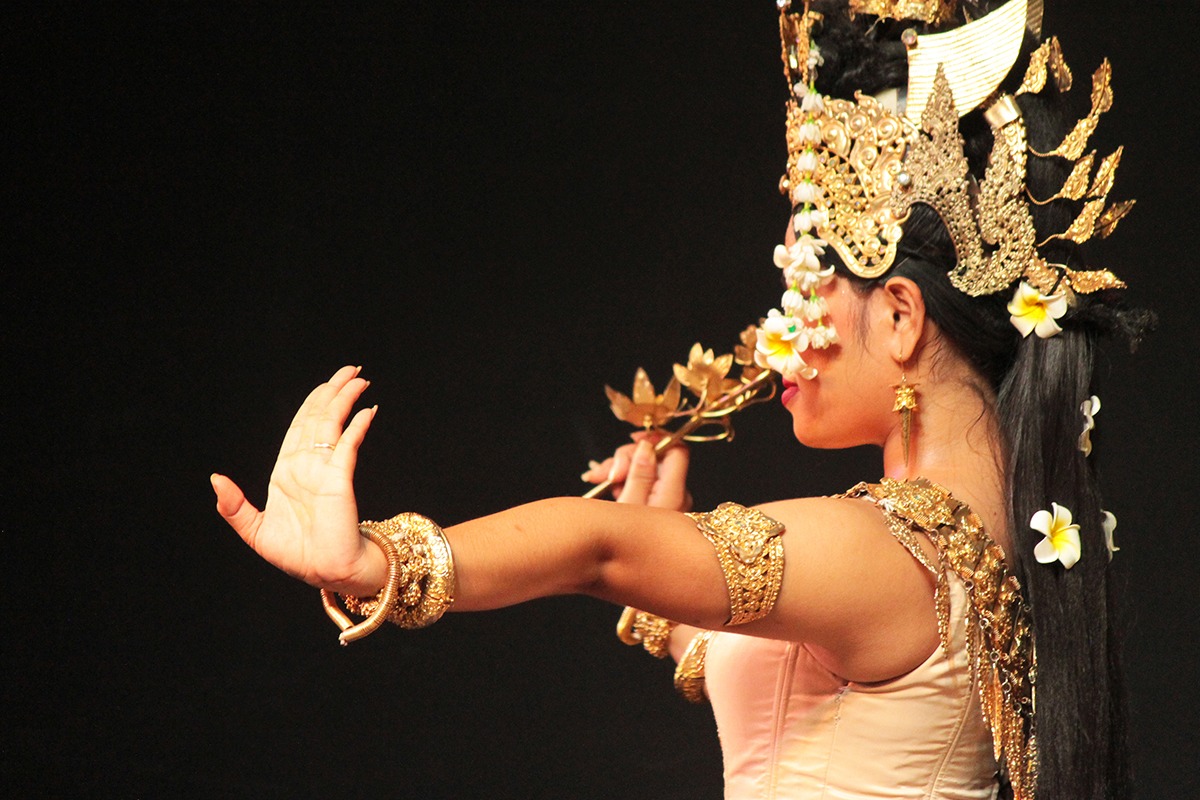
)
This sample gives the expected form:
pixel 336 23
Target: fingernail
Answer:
pixel 612 473
pixel 584 477
pixel 593 464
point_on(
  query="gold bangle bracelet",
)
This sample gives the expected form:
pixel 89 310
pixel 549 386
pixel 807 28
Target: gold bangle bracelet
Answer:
pixel 421 580
pixel 689 675
pixel 649 630
pixel 387 596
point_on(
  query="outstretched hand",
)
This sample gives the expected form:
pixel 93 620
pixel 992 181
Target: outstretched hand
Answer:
pixel 309 524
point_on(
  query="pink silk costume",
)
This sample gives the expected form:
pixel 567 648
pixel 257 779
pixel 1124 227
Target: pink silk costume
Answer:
pixel 789 728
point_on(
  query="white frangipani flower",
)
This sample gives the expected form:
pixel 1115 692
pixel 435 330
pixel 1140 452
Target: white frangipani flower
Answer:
pixel 1090 408
pixel 1109 524
pixel 781 340
pixel 1062 536
pixel 1034 312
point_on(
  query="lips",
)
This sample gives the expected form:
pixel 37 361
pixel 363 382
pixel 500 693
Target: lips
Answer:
pixel 789 391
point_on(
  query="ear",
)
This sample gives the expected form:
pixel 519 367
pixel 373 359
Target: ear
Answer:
pixel 906 305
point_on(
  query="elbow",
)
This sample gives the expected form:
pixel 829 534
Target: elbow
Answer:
pixel 583 544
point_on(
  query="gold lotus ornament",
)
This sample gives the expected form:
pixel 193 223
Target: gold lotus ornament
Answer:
pixel 743 354
pixel 706 374
pixel 646 409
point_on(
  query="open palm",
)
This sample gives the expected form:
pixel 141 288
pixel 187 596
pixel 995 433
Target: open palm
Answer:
pixel 309 524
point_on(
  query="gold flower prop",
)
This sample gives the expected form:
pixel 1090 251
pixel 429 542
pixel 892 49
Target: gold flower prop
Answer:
pixel 743 354
pixel 706 375
pixel 646 409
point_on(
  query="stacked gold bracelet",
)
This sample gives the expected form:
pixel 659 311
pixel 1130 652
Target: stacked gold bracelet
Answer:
pixel 649 630
pixel 420 582
pixel 689 674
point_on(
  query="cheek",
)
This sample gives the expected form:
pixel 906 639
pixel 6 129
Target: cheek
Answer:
pixel 849 402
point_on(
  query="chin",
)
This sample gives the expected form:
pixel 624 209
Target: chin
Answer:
pixel 820 435
pixel 815 441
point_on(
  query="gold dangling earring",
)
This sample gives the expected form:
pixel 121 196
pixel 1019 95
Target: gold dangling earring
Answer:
pixel 906 404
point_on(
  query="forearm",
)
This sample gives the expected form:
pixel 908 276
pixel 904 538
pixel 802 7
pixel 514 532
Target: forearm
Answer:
pixel 564 546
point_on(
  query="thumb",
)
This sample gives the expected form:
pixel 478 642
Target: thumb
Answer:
pixel 643 471
pixel 232 504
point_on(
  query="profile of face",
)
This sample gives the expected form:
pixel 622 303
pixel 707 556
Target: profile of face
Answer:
pixel 849 402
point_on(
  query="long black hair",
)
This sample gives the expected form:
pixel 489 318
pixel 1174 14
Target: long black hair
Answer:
pixel 1039 386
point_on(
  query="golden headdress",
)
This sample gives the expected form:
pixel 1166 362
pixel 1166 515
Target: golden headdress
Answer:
pixel 856 168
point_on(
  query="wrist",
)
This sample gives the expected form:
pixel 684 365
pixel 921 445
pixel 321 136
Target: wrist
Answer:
pixel 370 573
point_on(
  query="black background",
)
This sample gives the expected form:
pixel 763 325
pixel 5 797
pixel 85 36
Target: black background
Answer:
pixel 497 209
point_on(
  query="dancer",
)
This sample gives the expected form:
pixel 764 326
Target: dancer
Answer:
pixel 944 632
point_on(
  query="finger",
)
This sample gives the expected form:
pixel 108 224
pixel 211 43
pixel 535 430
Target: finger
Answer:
pixel 232 504
pixel 345 455
pixel 596 472
pixel 327 427
pixel 643 471
pixel 317 399
pixel 670 490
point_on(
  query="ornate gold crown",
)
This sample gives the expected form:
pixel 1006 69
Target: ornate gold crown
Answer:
pixel 856 168
pixel 934 12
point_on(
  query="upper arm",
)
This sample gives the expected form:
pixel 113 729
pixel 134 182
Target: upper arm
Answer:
pixel 850 591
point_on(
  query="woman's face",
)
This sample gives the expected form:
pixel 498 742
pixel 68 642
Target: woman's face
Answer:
pixel 849 402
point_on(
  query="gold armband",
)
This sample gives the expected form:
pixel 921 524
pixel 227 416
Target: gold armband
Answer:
pixel 689 674
pixel 751 555
pixel 420 583
pixel 649 630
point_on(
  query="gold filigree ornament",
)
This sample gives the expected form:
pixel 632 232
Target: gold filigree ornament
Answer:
pixel 856 168
pixel 999 630
pixel 716 395
pixel 934 12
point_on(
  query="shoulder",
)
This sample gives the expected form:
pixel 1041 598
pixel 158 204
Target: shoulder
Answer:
pixel 851 589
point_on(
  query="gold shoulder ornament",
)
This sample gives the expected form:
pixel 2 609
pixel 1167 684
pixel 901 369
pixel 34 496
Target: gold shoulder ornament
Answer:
pixel 999 632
